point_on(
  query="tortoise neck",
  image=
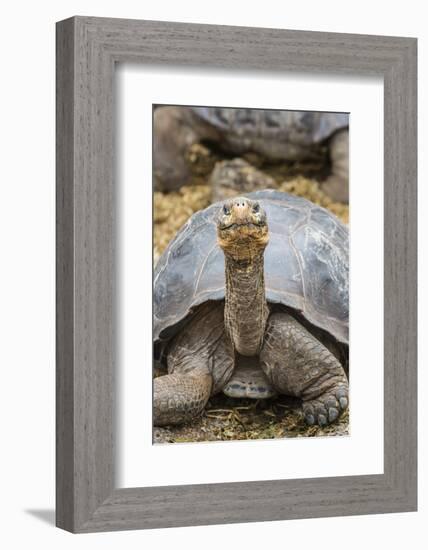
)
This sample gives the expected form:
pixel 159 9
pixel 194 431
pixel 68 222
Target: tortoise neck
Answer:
pixel 246 309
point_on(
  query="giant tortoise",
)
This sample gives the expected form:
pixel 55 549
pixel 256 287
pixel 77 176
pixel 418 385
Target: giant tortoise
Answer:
pixel 251 298
pixel 274 134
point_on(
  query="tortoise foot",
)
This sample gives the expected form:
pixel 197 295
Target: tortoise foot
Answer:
pixel 326 408
pixel 179 398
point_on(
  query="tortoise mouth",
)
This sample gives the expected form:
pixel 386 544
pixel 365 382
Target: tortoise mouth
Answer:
pixel 243 240
pixel 238 225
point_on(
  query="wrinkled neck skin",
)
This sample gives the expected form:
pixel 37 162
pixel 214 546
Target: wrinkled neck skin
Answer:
pixel 246 309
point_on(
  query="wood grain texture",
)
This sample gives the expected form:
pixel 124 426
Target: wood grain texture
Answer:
pixel 87 49
pixel 64 277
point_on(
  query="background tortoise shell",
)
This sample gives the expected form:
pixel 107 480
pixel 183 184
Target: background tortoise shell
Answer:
pixel 296 127
pixel 306 266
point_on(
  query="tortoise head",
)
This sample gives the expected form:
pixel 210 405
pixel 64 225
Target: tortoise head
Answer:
pixel 242 230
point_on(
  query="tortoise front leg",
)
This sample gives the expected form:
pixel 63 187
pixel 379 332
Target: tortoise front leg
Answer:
pixel 337 184
pixel 178 398
pixel 175 129
pixel 298 364
pixel 200 362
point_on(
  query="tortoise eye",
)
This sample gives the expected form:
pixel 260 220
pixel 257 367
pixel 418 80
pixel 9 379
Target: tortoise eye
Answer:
pixel 226 210
pixel 256 207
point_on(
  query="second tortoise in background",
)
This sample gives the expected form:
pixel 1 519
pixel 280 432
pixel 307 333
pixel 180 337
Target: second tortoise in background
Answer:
pixel 275 135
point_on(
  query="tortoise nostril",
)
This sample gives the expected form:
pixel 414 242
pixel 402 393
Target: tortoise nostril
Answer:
pixel 239 204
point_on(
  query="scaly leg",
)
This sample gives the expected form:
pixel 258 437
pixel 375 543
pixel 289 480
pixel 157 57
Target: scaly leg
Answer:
pixel 175 129
pixel 298 364
pixel 177 398
pixel 200 362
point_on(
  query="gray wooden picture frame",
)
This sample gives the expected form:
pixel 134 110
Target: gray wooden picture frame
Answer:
pixel 87 51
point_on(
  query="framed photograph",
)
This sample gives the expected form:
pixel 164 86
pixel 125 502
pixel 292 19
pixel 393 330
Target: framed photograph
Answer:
pixel 236 274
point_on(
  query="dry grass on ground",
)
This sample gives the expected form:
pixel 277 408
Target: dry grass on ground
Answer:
pixel 227 419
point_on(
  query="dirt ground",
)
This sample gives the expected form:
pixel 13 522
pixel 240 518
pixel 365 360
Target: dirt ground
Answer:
pixel 225 418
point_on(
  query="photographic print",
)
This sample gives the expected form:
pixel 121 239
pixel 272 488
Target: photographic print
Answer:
pixel 251 274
